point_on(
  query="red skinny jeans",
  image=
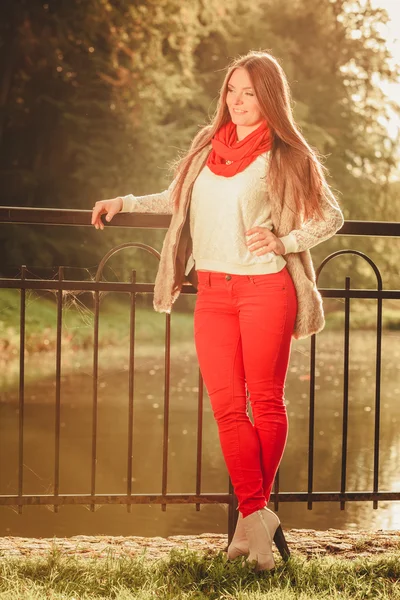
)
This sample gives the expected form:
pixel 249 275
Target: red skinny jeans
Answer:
pixel 243 327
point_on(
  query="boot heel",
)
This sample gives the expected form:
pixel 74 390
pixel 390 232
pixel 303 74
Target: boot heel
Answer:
pixel 281 544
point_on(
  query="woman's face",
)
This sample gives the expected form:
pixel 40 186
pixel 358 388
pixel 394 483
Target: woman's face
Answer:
pixel 241 99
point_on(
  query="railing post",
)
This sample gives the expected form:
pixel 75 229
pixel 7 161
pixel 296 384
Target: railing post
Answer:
pixel 233 513
pixel 21 402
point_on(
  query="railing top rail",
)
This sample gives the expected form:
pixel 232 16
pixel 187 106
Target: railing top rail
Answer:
pixel 72 216
pixel 126 286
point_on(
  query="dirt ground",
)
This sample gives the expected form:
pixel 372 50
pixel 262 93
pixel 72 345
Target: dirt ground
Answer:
pixel 305 542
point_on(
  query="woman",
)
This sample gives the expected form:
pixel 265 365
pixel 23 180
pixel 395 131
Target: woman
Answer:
pixel 258 202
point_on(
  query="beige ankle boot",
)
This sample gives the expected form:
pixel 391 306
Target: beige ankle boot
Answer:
pixel 239 545
pixel 262 527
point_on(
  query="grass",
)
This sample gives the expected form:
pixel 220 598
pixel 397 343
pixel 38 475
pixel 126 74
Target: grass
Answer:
pixel 199 576
pixel 364 317
pixel 78 322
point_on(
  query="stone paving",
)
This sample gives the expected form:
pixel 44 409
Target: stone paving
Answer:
pixel 306 542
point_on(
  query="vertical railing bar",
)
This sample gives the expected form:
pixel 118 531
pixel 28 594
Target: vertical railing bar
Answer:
pixel 57 423
pixel 233 512
pixel 199 437
pixel 311 424
pixel 166 406
pixel 276 491
pixel 345 393
pixel 131 386
pixel 21 401
pixel 377 395
pixel 94 398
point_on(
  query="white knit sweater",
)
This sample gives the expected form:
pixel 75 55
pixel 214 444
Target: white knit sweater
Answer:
pixel 222 209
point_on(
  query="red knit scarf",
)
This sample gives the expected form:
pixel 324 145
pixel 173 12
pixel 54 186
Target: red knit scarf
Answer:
pixel 230 156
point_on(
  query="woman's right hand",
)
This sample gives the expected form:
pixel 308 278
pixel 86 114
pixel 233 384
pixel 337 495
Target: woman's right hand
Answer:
pixel 107 207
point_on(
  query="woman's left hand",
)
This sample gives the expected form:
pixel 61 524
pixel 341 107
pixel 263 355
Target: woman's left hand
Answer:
pixel 264 241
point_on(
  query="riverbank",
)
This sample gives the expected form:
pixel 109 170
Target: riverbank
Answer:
pixel 78 322
pixel 324 564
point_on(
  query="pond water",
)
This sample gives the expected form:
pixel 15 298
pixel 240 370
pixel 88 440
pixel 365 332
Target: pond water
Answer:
pixel 75 444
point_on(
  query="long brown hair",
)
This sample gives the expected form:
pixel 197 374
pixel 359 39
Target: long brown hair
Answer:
pixel 294 166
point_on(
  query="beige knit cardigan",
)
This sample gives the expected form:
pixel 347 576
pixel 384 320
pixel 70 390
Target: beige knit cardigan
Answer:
pixel 177 248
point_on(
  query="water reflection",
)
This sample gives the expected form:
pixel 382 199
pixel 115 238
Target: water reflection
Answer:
pixel 112 427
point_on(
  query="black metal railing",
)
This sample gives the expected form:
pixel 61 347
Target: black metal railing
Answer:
pixel 60 285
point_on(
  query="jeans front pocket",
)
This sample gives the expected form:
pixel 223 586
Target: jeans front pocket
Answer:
pixel 270 281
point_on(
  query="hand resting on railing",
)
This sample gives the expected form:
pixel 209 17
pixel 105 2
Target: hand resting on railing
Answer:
pixel 107 207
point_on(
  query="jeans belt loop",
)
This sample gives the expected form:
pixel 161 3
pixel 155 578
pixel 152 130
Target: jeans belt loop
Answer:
pixel 209 279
